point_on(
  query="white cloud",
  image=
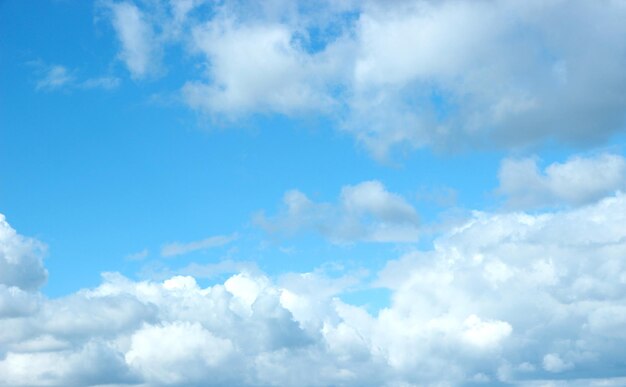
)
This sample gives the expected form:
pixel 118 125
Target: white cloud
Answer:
pixel 178 353
pixel 503 298
pixel 553 363
pixel 140 49
pixel 21 259
pixel 257 68
pixel 446 74
pixel 55 77
pixel 364 212
pixel 452 73
pixel 577 181
pixel 58 77
pixel 177 248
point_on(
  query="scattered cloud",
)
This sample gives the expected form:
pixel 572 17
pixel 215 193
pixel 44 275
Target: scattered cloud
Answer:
pixel 503 298
pixel 178 248
pixel 57 77
pixel 577 181
pixel 364 212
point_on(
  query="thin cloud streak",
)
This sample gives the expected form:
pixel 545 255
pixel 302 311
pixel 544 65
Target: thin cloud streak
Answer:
pixel 179 248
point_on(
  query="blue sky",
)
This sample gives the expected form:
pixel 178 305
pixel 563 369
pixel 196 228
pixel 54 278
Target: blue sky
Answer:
pixel 345 176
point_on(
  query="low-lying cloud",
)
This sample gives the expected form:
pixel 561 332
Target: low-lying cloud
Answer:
pixel 502 298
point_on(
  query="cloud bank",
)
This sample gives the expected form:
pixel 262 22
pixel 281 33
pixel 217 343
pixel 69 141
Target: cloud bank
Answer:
pixel 503 298
pixel 447 74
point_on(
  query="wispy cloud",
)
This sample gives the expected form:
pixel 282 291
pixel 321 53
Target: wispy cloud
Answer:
pixel 107 83
pixel 138 256
pixel 54 77
pixel 364 212
pixel 140 50
pixel 178 248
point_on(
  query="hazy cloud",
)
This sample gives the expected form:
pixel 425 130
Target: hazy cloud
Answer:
pixel 140 50
pixel 364 212
pixel 178 248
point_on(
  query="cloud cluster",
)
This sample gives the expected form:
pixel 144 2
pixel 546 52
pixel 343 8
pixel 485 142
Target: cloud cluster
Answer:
pixel 404 73
pixel 502 298
pixel 579 180
pixel 364 212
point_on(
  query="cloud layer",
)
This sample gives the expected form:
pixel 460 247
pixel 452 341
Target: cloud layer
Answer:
pixel 447 74
pixel 506 297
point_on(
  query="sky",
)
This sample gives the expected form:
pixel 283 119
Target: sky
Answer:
pixel 324 193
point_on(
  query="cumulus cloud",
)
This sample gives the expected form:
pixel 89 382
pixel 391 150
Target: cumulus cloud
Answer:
pixel 364 212
pixel 503 298
pixel 446 74
pixel 257 68
pixel 177 248
pixel 577 181
pixel 21 260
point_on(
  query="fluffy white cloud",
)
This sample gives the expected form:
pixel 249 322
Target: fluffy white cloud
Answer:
pixel 364 212
pixel 404 73
pixel 577 181
pixel 21 259
pixel 258 68
pixel 503 298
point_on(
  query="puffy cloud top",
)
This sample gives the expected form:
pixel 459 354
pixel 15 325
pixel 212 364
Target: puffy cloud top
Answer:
pixel 579 180
pixel 21 259
pixel 502 298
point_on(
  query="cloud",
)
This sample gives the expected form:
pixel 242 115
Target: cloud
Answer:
pixel 55 77
pixel 58 77
pixel 503 298
pixel 21 260
pixel 577 181
pixel 106 83
pixel 443 74
pixel 140 51
pixel 138 256
pixel 364 212
pixel 258 68
pixel 177 248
